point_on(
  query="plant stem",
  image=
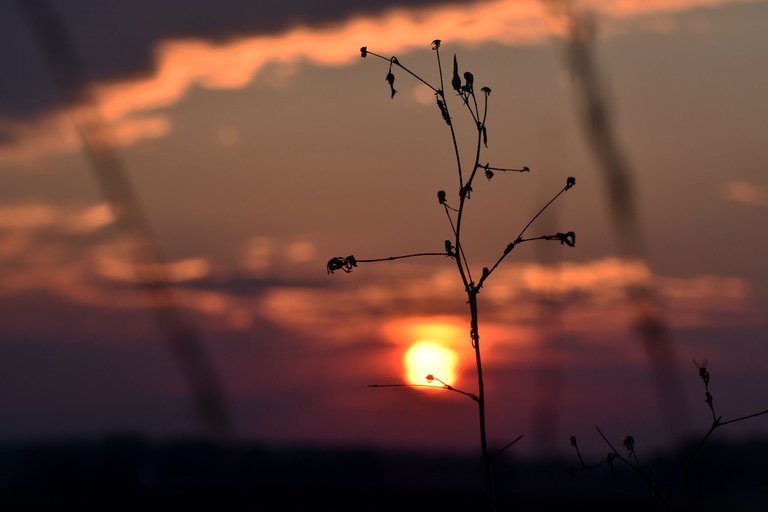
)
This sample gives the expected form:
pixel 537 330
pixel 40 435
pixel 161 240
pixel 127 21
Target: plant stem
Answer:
pixel 475 335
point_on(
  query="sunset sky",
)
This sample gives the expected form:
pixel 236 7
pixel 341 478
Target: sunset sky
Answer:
pixel 260 144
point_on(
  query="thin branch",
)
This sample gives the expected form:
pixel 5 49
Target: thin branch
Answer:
pixel 568 238
pixel 566 187
pixel 506 169
pixel 465 97
pixel 390 258
pixel 615 455
pixel 509 444
pixel 578 452
pixel 404 386
pixel 444 386
pixel 448 387
pixel 441 93
pixel 607 441
pixel 584 466
pixel 570 182
pixel 489 169
pixel 453 228
pixel 397 63
pixel 467 187
pixel 450 219
pixel 347 263
pixel 743 418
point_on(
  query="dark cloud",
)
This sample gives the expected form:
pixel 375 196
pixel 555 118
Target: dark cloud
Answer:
pixel 116 39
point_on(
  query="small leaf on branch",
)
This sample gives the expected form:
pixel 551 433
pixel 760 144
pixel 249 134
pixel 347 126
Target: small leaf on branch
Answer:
pixel 703 372
pixel 364 51
pixel 391 81
pixel 509 248
pixel 456 81
pixel 569 183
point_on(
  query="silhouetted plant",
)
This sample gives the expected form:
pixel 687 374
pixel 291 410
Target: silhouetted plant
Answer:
pixel 717 420
pixel 476 107
pixel 663 491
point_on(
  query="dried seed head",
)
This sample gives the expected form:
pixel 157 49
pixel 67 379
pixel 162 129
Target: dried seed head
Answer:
pixel 364 51
pixel 436 44
pixel 441 196
pixel 703 372
pixel 568 238
pixel 344 264
pixel 334 264
pixel 470 81
pixel 570 182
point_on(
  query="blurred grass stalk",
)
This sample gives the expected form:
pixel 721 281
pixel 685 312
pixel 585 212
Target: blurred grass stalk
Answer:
pixel 187 348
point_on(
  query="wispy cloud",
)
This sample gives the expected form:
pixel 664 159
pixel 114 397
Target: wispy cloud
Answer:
pixel 182 64
pixel 746 192
pixel 263 255
pixel 32 215
pixel 593 298
pixel 44 250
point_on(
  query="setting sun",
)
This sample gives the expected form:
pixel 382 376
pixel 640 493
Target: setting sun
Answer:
pixel 426 357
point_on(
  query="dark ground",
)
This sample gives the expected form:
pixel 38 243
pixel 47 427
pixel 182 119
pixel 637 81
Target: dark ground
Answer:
pixel 131 472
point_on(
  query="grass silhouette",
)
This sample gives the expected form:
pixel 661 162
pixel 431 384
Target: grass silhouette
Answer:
pixel 474 103
pixel 663 491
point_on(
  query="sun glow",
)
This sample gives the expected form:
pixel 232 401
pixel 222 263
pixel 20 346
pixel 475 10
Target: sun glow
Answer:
pixel 430 358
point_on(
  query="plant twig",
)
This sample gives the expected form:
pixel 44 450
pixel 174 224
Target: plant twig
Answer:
pixel 506 446
pixel 570 182
pixel 430 378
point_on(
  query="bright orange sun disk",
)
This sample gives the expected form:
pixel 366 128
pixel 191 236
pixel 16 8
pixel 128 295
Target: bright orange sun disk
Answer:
pixel 430 358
